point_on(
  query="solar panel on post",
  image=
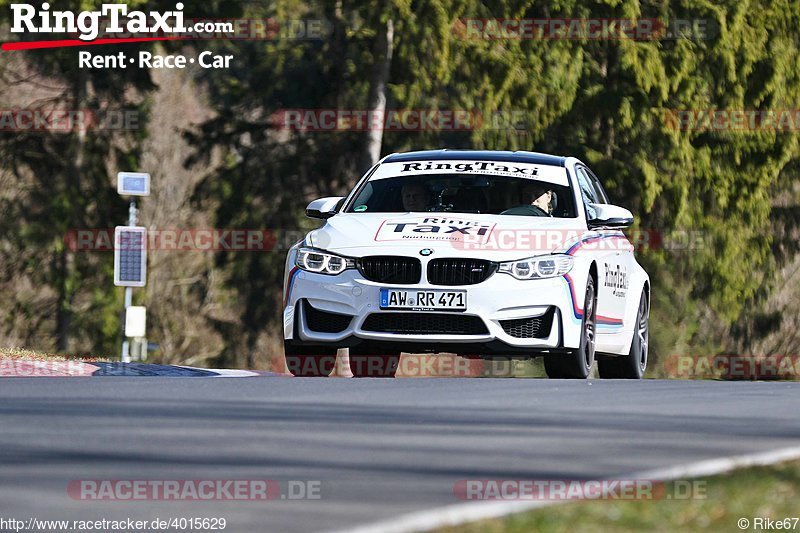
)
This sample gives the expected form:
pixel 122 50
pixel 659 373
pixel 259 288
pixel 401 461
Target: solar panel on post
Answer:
pixel 130 256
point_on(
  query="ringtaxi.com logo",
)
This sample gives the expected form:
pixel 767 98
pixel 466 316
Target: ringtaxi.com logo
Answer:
pixel 87 23
pixel 117 25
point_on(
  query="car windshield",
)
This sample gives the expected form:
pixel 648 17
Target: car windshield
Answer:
pixel 475 193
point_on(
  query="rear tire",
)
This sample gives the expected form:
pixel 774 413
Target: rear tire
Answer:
pixel 367 363
pixel 578 363
pixel 309 361
pixel 634 363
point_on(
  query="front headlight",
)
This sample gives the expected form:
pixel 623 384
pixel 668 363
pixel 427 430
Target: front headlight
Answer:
pixel 321 262
pixel 545 266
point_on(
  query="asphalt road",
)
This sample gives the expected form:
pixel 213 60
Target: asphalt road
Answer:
pixel 379 448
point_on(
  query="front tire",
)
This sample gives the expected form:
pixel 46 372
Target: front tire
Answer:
pixel 309 361
pixel 634 363
pixel 577 364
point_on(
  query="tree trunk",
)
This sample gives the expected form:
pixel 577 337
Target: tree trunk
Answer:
pixel 384 43
pixel 63 265
pixel 65 262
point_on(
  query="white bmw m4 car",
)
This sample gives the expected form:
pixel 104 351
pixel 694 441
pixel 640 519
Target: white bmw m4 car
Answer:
pixel 477 253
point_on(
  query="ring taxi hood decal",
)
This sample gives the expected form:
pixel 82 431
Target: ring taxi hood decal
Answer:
pixel 546 173
pixel 434 227
pixel 471 235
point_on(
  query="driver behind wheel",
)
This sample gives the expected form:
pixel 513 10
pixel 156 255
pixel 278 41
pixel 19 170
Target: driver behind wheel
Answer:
pixel 539 200
pixel 415 197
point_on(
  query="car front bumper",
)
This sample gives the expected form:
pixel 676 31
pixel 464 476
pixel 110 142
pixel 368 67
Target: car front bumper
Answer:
pixel 494 301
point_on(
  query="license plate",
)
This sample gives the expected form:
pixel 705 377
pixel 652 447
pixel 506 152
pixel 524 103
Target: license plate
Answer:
pixel 424 300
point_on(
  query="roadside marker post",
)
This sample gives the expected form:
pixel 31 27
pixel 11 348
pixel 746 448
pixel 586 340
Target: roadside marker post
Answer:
pixel 130 254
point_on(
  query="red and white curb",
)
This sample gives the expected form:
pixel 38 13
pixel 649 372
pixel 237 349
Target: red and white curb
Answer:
pixel 24 368
pixel 19 368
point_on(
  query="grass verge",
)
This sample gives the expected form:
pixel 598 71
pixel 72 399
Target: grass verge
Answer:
pixel 771 492
pixel 32 355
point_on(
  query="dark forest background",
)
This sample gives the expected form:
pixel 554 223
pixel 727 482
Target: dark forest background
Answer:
pixel 217 160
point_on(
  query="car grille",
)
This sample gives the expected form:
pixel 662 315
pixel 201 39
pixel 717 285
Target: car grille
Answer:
pixel 530 328
pixel 390 269
pixel 459 271
pixel 425 324
pixel 325 321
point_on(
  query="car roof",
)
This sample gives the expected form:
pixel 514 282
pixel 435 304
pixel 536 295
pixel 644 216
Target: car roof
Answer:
pixel 483 155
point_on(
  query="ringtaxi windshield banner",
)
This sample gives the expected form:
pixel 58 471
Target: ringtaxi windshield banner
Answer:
pixel 547 173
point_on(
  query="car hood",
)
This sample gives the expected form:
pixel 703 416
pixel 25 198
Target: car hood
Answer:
pixel 495 237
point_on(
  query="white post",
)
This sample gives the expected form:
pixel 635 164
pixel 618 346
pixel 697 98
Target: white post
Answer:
pixel 125 356
pixel 126 348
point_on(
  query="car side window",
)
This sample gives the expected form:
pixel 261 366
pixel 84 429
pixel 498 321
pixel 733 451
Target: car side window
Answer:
pixel 601 193
pixel 588 191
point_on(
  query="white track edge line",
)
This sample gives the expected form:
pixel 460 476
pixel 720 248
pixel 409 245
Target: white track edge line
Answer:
pixel 230 373
pixel 460 513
